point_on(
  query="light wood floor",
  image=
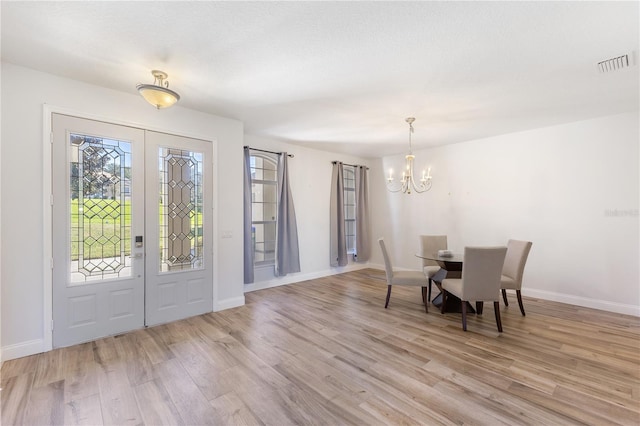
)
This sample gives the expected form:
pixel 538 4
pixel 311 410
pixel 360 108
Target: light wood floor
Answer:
pixel 327 352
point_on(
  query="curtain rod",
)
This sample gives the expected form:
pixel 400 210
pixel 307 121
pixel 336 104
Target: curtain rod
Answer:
pixel 270 152
pixel 347 164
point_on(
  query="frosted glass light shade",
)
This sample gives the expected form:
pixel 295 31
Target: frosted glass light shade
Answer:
pixel 159 97
pixel 158 94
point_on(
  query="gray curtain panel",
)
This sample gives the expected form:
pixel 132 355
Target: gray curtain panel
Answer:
pixel 338 251
pixel 248 241
pixel 363 237
pixel 287 251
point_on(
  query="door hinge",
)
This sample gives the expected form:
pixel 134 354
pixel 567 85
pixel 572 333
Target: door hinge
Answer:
pixel 51 262
pixel 51 137
pixel 51 199
pixel 51 325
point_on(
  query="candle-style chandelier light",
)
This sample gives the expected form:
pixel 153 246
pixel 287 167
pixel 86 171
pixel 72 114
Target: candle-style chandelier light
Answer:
pixel 408 183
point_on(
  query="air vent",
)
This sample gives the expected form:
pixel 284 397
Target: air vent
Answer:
pixel 614 64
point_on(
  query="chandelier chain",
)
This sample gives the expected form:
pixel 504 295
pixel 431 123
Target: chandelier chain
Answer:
pixel 410 120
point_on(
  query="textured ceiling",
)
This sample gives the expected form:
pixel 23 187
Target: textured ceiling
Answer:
pixel 342 76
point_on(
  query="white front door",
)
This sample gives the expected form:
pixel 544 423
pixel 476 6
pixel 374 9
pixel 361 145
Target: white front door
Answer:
pixel 132 222
pixel 179 228
pixel 98 209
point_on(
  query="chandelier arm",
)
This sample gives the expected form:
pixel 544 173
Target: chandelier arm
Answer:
pixel 393 190
pixel 424 187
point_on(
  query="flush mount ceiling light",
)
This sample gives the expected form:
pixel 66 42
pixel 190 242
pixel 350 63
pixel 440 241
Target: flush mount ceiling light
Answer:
pixel 158 94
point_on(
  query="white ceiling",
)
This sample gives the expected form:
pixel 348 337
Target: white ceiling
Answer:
pixel 342 76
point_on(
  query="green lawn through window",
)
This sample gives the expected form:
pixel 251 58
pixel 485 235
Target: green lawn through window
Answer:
pixel 103 225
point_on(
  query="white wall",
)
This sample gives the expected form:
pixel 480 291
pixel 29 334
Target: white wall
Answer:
pixel 310 181
pixel 559 187
pixel 1 358
pixel 553 186
pixel 24 92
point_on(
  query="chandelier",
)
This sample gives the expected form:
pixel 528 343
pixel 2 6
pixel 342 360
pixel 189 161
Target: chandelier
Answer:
pixel 408 183
pixel 158 94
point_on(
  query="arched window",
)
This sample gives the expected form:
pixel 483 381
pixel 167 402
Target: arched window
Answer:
pixel 264 204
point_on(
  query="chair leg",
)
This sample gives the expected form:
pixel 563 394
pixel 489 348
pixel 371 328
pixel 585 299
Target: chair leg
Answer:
pixel 479 307
pixel 464 315
pixel 504 297
pixel 388 296
pixel 520 301
pixel 430 282
pixel 444 301
pixel 496 309
pixel 426 301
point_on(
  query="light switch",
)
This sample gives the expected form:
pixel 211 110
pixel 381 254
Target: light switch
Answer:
pixel 227 234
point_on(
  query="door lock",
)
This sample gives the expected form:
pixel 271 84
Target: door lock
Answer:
pixel 138 240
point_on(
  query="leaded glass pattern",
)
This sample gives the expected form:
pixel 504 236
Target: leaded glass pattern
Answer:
pixel 181 218
pixel 100 213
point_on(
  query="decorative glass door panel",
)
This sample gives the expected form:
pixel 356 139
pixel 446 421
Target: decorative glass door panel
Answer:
pixel 100 214
pixel 181 218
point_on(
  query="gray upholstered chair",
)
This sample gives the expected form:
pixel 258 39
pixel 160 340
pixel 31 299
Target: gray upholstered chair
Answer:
pixel 513 269
pixel 481 272
pixel 431 244
pixel 410 278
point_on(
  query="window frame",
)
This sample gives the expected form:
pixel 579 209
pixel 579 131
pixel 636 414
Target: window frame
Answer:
pixel 272 160
pixel 349 183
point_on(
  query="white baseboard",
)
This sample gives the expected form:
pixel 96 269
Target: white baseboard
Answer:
pixel 20 350
pixel 233 302
pixel 586 302
pixel 296 278
pixel 381 267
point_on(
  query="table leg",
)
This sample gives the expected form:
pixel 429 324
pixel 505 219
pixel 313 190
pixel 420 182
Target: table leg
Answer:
pixel 453 304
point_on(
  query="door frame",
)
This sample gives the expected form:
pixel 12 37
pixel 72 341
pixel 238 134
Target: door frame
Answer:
pixel 47 210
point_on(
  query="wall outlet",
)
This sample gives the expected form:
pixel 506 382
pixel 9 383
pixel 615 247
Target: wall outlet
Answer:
pixel 227 234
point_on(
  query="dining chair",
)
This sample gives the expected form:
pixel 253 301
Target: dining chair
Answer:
pixel 409 278
pixel 513 269
pixel 480 282
pixel 431 244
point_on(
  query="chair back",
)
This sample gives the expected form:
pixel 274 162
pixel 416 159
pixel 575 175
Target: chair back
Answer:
pixel 387 262
pixel 431 244
pixel 514 262
pixel 481 273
